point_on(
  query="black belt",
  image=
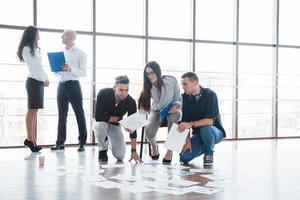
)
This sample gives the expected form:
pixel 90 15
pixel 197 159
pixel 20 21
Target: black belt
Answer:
pixel 70 81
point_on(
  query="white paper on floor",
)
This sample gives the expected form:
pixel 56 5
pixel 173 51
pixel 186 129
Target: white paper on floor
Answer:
pixel 113 166
pixel 217 184
pixel 182 182
pixel 215 177
pixel 171 190
pixel 179 167
pixel 124 177
pixel 92 178
pixel 109 184
pixel 202 170
pixel 202 190
pixel 151 184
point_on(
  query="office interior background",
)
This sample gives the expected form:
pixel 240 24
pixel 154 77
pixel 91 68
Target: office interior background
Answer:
pixel 247 51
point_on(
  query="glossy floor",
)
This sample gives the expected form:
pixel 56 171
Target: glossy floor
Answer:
pixel 255 169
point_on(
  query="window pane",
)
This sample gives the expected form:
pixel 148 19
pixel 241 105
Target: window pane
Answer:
pixel 288 95
pixel 67 14
pixel 119 16
pixel 256 21
pixel 16 12
pixel 254 63
pixel 289 29
pixel 214 67
pixel 9 46
pixel 115 52
pixel 254 125
pixel 255 92
pixel 215 20
pixel 173 56
pixel 170 18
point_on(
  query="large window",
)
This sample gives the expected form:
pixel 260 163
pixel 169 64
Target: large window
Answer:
pixel 255 91
pixel 289 24
pixel 288 96
pixel 215 20
pixel 66 14
pixel 257 21
pixel 247 51
pixel 170 18
pixel 214 66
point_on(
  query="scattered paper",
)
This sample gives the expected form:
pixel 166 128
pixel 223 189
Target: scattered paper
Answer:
pixel 124 177
pixel 175 139
pixel 179 167
pixel 182 182
pixel 202 190
pixel 201 170
pixel 113 166
pixel 109 184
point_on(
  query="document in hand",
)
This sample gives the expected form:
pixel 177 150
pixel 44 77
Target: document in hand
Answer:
pixel 175 139
pixel 56 59
pixel 164 112
pixel 134 121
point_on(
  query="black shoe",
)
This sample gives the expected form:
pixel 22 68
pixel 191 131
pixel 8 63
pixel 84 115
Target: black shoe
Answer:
pixel 81 148
pixel 165 161
pixel 103 156
pixel 58 147
pixel 155 157
pixel 32 146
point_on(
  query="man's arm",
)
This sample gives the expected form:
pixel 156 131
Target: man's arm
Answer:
pixel 80 70
pixel 101 113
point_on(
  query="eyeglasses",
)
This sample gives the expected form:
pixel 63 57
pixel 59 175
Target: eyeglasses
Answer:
pixel 150 73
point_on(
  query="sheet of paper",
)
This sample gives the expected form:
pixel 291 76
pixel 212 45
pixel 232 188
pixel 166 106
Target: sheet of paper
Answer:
pixel 134 121
pixel 175 139
pixel 154 175
pixel 171 190
pixel 151 184
pixel 202 190
pixel 178 167
pixel 124 177
pixel 113 166
pixel 182 182
pixel 202 170
pixel 109 184
pixel 137 189
pixel 56 59
pixel 214 177
pixel 215 184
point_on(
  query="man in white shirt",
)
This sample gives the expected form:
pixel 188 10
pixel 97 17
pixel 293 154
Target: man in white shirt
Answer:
pixel 69 90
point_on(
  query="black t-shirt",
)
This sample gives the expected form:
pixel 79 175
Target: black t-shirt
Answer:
pixel 106 107
pixel 205 107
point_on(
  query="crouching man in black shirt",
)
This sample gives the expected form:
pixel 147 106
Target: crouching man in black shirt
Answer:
pixel 200 112
pixel 112 104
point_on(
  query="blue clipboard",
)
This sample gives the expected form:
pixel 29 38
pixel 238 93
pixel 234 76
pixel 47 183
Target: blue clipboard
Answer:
pixel 56 59
pixel 165 111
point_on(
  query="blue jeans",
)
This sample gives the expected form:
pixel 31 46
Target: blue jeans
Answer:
pixel 203 142
pixel 70 92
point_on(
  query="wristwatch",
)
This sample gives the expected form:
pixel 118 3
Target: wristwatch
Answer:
pixel 133 150
pixel 193 124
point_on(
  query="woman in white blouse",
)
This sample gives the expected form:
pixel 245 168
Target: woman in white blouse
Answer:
pixel 29 52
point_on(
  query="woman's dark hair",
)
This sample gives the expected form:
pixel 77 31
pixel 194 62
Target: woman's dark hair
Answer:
pixel 145 96
pixel 28 39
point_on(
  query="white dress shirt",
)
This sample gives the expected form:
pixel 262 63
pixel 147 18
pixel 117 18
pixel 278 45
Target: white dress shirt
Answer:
pixel 77 60
pixel 34 64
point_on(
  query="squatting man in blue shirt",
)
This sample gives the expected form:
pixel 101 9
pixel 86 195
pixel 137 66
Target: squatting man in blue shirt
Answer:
pixel 200 112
